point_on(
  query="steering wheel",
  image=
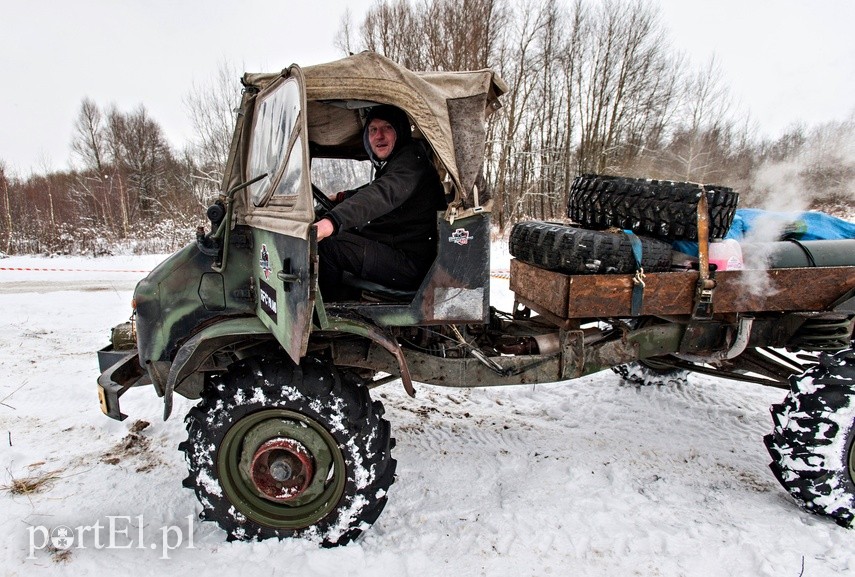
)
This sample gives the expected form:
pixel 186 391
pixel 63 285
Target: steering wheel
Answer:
pixel 322 199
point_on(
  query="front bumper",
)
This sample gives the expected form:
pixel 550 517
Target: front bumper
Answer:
pixel 120 370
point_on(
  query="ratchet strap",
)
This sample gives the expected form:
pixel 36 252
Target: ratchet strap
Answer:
pixel 638 279
pixel 703 309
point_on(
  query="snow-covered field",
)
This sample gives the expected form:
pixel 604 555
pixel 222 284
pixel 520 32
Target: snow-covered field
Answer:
pixel 588 477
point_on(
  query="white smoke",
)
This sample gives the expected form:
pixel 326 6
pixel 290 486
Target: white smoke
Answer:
pixel 821 165
pixel 784 197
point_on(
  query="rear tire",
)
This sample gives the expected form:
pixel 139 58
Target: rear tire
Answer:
pixel 659 208
pixel 648 374
pixel 813 443
pixel 573 250
pixel 277 450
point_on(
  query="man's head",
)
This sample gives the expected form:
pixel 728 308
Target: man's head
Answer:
pixel 381 138
pixel 385 127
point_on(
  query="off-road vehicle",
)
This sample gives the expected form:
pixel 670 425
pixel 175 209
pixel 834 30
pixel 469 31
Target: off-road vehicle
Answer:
pixel 286 441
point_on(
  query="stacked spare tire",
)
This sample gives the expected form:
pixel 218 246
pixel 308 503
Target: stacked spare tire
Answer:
pixel 657 212
pixel 605 207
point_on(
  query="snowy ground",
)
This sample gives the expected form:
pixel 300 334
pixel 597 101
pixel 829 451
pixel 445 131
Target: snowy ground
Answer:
pixel 589 477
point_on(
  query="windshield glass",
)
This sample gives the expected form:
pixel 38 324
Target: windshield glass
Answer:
pixel 337 174
pixel 274 120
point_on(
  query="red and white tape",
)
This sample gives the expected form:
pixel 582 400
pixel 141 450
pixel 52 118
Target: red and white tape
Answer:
pixel 505 274
pixel 19 268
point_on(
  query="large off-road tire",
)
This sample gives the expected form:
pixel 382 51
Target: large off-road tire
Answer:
pixel 813 442
pixel 659 208
pixel 649 373
pixel 278 450
pixel 574 250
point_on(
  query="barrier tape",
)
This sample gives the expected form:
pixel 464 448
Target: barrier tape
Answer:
pixel 503 274
pixel 70 269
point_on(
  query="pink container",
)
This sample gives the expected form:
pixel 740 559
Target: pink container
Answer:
pixel 726 255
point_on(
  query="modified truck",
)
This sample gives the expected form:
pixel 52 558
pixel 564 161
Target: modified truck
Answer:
pixel 286 441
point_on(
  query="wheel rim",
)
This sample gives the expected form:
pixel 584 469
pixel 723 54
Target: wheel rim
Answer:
pixel 307 479
pixel 281 469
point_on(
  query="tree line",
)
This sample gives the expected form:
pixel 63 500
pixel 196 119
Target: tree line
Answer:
pixel 131 188
pixel 594 88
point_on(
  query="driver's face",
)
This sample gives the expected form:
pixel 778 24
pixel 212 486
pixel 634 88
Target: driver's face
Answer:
pixel 381 137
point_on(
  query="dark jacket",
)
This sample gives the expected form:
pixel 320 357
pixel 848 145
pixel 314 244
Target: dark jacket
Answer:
pixel 398 208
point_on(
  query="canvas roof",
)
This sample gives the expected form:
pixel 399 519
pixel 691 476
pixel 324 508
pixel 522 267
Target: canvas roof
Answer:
pixel 448 109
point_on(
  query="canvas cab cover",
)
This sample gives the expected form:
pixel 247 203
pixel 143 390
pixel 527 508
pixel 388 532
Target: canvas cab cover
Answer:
pixel 448 110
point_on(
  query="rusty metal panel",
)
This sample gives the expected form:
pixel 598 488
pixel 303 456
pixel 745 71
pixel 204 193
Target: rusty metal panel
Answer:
pixel 782 289
pixel 672 293
pixel 572 354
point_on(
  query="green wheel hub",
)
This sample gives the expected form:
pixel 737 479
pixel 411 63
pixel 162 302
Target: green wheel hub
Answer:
pixel 281 469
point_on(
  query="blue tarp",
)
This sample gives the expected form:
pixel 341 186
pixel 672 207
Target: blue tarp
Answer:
pixel 784 226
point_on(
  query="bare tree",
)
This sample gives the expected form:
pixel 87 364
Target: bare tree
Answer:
pixel 140 153
pixel 704 130
pixel 624 83
pixel 459 34
pixel 212 108
pixel 49 192
pixel 829 164
pixel 390 29
pixel 89 142
pixel 433 35
pixel 550 119
pixel 7 208
pixel 519 64
pixel 344 39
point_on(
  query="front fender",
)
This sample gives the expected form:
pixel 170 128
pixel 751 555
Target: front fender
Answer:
pixel 199 348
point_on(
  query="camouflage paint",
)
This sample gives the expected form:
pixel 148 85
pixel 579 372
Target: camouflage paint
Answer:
pixel 176 298
pixel 285 283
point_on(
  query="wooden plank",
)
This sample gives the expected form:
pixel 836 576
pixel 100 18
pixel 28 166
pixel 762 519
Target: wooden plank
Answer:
pixel 672 293
pixel 546 288
pixel 611 295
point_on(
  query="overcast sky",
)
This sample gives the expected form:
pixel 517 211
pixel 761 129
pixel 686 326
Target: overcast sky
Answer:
pixel 786 60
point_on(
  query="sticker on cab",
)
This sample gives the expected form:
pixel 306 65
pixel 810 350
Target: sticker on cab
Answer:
pixel 267 299
pixel 264 261
pixel 460 237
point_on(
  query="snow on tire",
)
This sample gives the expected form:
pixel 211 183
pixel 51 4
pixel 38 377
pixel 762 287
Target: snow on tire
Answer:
pixel 572 250
pixel 813 443
pixel 279 450
pixel 659 208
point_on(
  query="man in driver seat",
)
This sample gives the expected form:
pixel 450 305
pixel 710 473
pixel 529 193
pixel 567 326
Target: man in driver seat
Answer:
pixel 384 231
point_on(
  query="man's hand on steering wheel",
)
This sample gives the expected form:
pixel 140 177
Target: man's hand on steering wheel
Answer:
pixel 322 199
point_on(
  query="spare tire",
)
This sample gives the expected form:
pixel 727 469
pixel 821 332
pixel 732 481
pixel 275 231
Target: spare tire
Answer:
pixel 659 208
pixel 572 250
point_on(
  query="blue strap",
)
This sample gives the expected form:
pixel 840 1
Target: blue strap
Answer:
pixel 636 247
pixel 638 280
